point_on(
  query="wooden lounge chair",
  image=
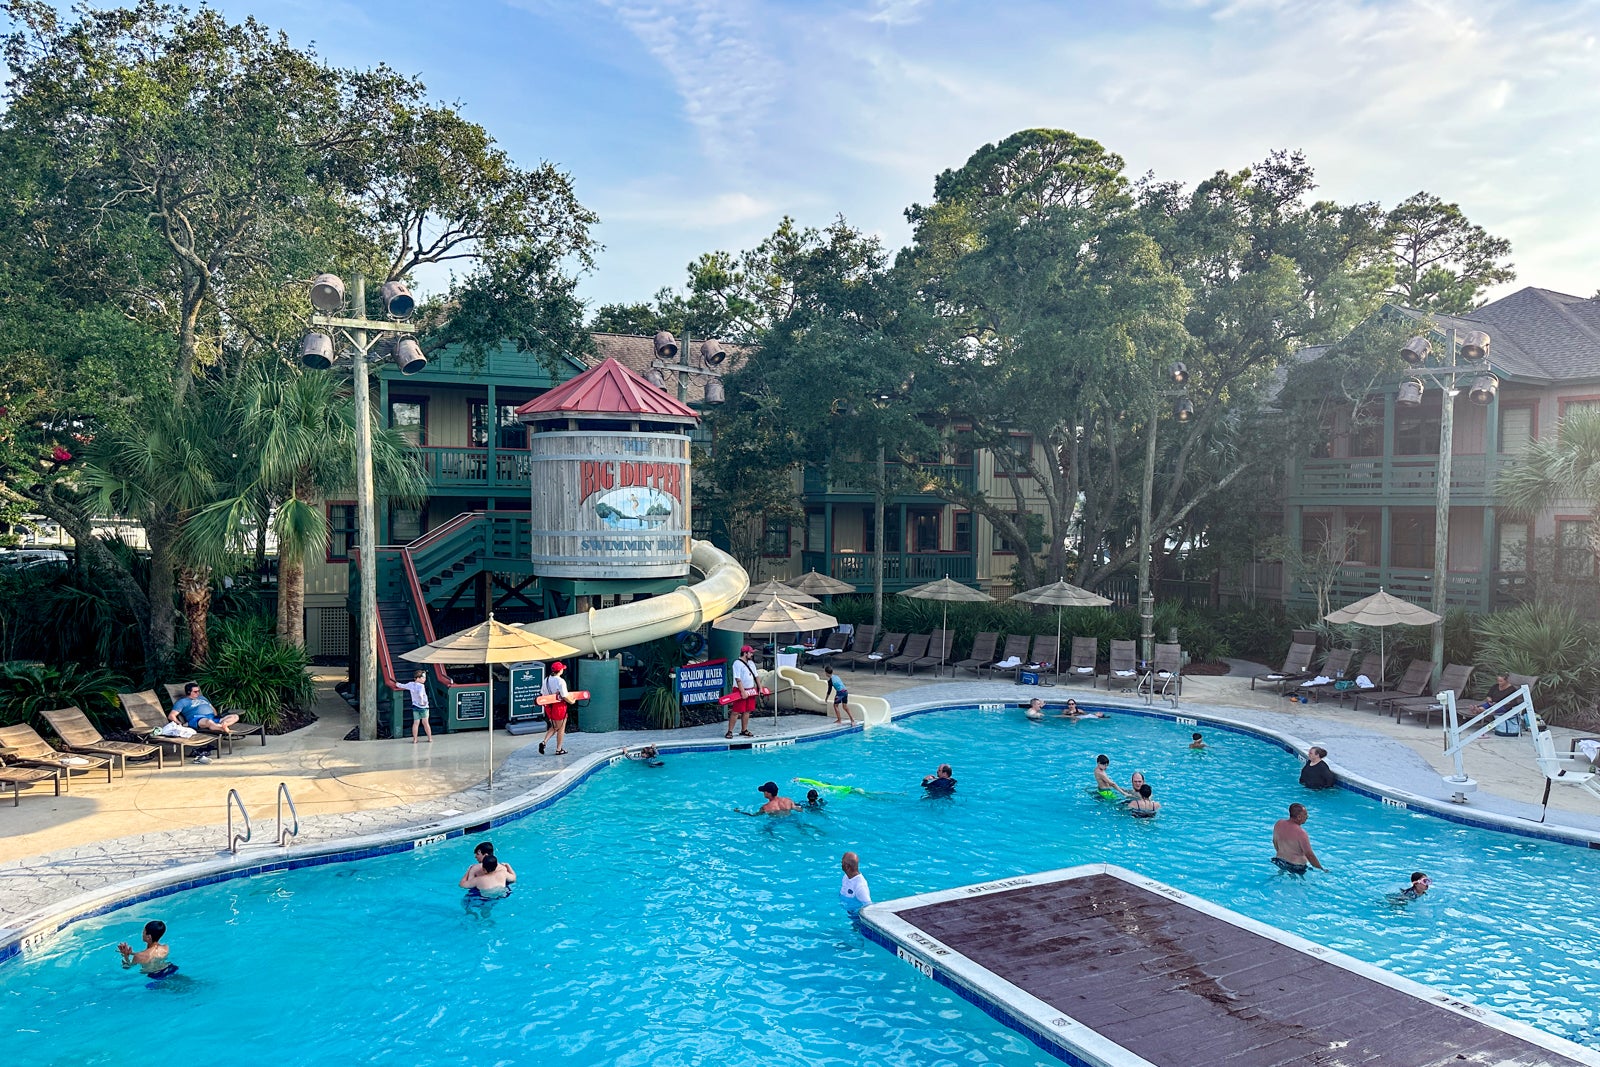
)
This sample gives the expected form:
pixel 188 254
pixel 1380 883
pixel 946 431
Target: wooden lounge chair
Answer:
pixel 1413 684
pixel 1046 650
pixel 238 729
pixel 146 716
pixel 1124 672
pixel 1454 677
pixel 938 652
pixel 1085 656
pixel 860 646
pixel 1296 668
pixel 915 648
pixel 982 655
pixel 23 745
pixel 1333 669
pixel 16 778
pixel 80 735
pixel 1016 648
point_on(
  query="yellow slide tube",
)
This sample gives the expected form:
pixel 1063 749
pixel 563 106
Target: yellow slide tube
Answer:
pixel 809 691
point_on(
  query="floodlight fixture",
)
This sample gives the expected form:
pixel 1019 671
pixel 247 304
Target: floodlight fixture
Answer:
pixel 1416 350
pixel 714 393
pixel 316 351
pixel 655 377
pixel 1475 346
pixel 327 293
pixel 1483 389
pixel 398 302
pixel 1179 372
pixel 1183 410
pixel 712 353
pixel 408 356
pixel 666 346
pixel 1410 393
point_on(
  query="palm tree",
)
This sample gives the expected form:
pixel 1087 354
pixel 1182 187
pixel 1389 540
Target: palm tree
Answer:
pixel 1563 466
pixel 298 433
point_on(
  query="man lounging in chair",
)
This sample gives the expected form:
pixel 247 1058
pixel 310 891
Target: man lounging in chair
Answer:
pixel 198 713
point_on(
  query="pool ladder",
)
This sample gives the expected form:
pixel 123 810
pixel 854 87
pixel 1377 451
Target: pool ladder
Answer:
pixel 284 832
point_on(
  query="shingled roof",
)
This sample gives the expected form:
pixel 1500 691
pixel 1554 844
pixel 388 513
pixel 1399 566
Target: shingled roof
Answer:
pixel 608 390
pixel 1537 335
pixel 635 353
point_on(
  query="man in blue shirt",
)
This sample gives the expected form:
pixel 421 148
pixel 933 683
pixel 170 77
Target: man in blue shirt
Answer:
pixel 197 712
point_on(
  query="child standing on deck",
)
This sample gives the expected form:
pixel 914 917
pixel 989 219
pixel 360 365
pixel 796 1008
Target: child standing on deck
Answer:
pixel 841 698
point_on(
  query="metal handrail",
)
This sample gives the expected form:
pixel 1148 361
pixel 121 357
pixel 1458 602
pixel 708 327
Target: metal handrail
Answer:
pixel 284 835
pixel 234 841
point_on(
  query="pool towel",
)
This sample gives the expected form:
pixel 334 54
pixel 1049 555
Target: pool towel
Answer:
pixel 1589 750
pixel 1363 682
pixel 1009 662
pixel 1321 679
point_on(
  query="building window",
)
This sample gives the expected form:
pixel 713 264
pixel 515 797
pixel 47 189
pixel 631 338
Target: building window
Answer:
pixel 1516 428
pixel 409 417
pixel 1411 540
pixel 1416 431
pixel 1512 553
pixel 1574 554
pixel 924 531
pixel 509 433
pixel 869 540
pixel 405 525
pixel 816 530
pixel 775 537
pixel 963 532
pixel 1366 429
pixel 341 531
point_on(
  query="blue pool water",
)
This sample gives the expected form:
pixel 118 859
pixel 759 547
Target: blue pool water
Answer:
pixel 652 925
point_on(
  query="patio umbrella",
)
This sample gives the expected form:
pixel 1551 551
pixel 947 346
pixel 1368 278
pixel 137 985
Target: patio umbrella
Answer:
pixel 820 584
pixel 1061 594
pixel 1382 610
pixel 489 642
pixel 776 588
pixel 775 615
pixel 946 590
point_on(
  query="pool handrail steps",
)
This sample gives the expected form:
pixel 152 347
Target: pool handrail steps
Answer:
pixel 234 841
pixel 687 607
pixel 294 831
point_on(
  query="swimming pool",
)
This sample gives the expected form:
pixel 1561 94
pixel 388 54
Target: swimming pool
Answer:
pixel 653 925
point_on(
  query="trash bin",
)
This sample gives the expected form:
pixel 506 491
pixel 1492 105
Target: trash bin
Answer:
pixel 787 656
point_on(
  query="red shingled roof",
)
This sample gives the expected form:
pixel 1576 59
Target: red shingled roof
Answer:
pixel 609 389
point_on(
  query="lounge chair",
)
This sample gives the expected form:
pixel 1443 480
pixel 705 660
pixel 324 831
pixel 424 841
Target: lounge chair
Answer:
pixel 1046 656
pixel 1124 672
pixel 1413 684
pixel 1015 653
pixel 1085 656
pixel 916 647
pixel 80 735
pixel 982 654
pixel 889 646
pixel 23 745
pixel 1333 669
pixel 835 643
pixel 938 651
pixel 1166 673
pixel 147 717
pixel 18 777
pixel 1296 668
pixel 860 646
pixel 1028 659
pixel 1454 677
pixel 238 729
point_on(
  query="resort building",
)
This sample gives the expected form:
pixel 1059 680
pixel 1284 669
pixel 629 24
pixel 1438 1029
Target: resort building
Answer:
pixel 1362 500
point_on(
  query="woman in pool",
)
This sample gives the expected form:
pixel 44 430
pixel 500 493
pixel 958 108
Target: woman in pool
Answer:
pixel 1140 806
pixel 1074 713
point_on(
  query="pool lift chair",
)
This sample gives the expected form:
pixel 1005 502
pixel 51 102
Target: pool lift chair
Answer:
pixel 1557 769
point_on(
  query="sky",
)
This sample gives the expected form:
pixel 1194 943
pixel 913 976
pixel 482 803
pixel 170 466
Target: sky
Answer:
pixel 693 125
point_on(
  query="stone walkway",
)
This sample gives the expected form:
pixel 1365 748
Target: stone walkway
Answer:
pixel 1364 746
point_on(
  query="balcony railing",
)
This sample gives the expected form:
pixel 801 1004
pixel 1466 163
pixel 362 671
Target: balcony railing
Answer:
pixel 1376 480
pixel 1473 590
pixel 901 570
pixel 446 467
pixel 914 479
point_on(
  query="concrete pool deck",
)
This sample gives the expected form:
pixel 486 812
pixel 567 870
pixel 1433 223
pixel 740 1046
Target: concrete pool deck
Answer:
pixel 98 836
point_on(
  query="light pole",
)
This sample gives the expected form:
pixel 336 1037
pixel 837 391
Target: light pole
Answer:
pixel 1183 411
pixel 318 352
pixel 711 354
pixel 1473 346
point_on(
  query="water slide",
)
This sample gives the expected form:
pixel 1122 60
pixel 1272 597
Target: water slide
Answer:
pixel 809 692
pixel 687 607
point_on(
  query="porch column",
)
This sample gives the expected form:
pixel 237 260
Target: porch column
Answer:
pixel 491 474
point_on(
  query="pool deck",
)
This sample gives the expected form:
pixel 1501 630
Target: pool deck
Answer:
pixel 1101 966
pixel 144 826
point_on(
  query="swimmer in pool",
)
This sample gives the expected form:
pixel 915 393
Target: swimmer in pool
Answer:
pixel 1074 713
pixel 775 805
pixel 1103 785
pixel 486 848
pixel 492 882
pixel 941 783
pixel 1198 742
pixel 814 801
pixel 1141 806
pixel 645 754
pixel 1035 709
pixel 1418 888
pixel 1291 844
pixel 152 959
pixel 1132 792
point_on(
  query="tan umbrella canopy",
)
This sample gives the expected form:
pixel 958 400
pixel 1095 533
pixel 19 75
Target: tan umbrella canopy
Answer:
pixel 489 642
pixel 1382 610
pixel 820 584
pixel 946 590
pixel 775 616
pixel 1061 594
pixel 778 589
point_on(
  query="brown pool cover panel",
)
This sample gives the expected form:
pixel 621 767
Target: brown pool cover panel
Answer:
pixel 1183 988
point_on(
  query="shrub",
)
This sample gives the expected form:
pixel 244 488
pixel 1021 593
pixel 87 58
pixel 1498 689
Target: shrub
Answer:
pixel 253 671
pixel 1551 642
pixel 29 688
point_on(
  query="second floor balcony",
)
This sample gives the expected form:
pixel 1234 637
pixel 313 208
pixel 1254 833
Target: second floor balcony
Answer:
pixel 1395 479
pixel 905 479
pixel 474 469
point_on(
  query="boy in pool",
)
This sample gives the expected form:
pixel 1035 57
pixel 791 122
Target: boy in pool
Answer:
pixel 152 959
pixel 645 754
pixel 814 801
pixel 1418 888
pixel 1198 742
pixel 492 882
pixel 486 848
pixel 1103 785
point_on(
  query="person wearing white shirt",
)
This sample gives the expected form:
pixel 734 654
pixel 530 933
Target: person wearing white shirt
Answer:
pixel 556 714
pixel 745 688
pixel 418 688
pixel 853 891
